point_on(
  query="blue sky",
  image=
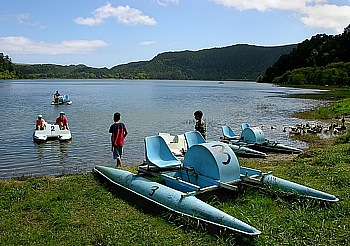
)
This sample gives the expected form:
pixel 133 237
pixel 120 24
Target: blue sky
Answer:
pixel 107 33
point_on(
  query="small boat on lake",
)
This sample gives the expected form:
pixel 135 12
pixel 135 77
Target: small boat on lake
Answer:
pixel 62 100
pixel 51 132
pixel 206 167
pixel 254 138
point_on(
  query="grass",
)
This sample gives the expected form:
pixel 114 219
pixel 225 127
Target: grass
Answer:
pixel 335 111
pixel 339 104
pixel 85 210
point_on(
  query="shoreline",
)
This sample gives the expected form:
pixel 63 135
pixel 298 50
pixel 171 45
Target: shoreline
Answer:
pixel 80 209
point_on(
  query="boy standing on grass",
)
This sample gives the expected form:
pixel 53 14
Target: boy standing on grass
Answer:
pixel 119 133
pixel 200 123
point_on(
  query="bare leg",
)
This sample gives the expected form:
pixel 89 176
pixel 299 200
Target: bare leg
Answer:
pixel 119 162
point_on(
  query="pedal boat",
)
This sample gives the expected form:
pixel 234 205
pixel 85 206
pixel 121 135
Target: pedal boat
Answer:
pixel 179 145
pixel 51 132
pixel 62 100
pixel 254 138
pixel 206 167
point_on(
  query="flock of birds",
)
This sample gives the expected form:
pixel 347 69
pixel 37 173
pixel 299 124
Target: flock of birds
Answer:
pixel 315 128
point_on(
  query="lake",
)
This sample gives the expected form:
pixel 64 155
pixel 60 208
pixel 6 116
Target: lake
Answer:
pixel 147 107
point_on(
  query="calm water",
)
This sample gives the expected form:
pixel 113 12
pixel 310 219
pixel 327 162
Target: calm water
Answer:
pixel 147 108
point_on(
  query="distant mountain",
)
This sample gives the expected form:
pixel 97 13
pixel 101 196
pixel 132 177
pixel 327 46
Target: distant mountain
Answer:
pixel 236 62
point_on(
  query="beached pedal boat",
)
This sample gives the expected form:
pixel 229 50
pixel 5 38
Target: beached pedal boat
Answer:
pixel 51 132
pixel 180 143
pixel 206 167
pixel 254 138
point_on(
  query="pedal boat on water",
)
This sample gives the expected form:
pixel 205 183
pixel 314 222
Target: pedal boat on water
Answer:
pixel 51 132
pixel 62 100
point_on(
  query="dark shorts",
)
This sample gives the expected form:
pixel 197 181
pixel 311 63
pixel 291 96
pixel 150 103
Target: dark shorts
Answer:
pixel 118 151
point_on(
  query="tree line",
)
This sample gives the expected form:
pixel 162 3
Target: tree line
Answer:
pixel 321 60
pixel 236 62
pixel 7 68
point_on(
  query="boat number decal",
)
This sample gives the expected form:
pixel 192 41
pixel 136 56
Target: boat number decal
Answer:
pixel 153 189
pixel 222 150
pixel 52 128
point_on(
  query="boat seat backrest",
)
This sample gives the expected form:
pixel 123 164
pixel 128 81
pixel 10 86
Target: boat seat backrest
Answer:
pixel 158 153
pixel 193 138
pixel 244 126
pixel 228 133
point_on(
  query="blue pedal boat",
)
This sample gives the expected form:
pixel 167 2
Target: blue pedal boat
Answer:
pixel 254 138
pixel 206 167
pixel 62 100
pixel 194 137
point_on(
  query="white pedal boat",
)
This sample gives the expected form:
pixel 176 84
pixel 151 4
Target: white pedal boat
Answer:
pixel 51 132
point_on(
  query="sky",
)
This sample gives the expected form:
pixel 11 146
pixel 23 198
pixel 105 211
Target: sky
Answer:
pixel 99 33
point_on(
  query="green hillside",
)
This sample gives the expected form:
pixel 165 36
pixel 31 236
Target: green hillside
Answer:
pixel 236 62
pixel 321 60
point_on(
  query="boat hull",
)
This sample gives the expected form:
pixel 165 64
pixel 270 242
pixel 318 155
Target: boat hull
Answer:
pixel 267 146
pixel 247 152
pixel 291 187
pixel 174 200
pixel 269 181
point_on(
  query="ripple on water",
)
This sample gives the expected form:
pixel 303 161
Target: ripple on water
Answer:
pixel 147 107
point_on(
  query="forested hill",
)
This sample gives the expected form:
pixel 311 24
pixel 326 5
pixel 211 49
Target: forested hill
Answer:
pixel 236 62
pixel 321 60
pixel 7 68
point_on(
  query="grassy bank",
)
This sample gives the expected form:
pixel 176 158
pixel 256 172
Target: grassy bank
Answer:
pixel 85 210
pixel 339 103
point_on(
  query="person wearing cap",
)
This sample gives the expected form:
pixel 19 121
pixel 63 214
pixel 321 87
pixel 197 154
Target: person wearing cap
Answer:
pixel 62 121
pixel 40 123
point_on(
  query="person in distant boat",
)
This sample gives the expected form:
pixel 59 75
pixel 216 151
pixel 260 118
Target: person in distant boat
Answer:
pixel 62 121
pixel 200 123
pixel 56 96
pixel 119 132
pixel 40 123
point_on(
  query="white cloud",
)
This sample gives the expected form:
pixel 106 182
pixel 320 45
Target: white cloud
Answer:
pixel 25 19
pixel 262 5
pixel 146 43
pixel 22 19
pixel 167 2
pixel 327 16
pixel 312 13
pixel 122 14
pixel 23 45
